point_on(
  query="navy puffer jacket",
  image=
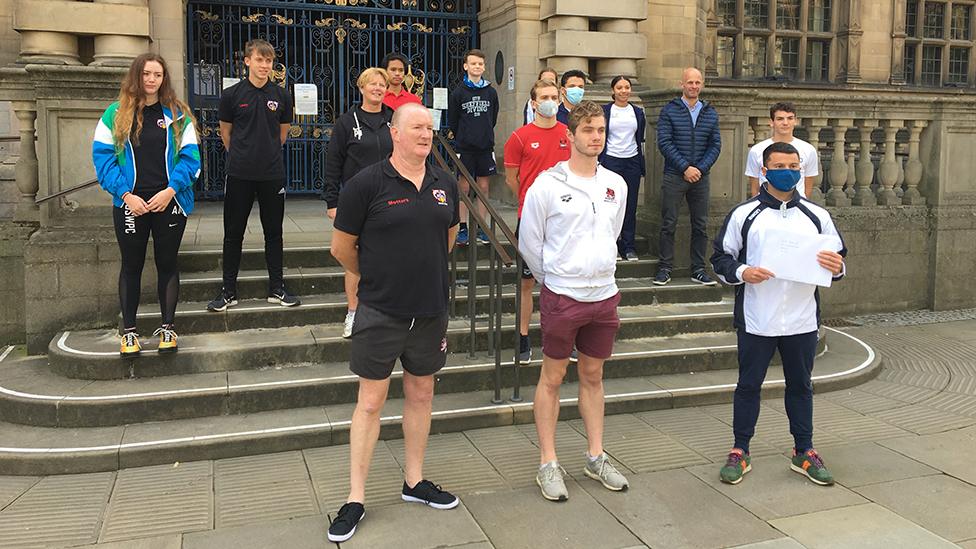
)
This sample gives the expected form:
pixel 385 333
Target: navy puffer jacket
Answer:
pixel 683 144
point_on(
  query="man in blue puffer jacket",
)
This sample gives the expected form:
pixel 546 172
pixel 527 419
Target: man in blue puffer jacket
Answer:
pixel 688 137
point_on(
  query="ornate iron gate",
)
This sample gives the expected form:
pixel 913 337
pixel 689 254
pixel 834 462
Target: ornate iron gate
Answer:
pixel 322 42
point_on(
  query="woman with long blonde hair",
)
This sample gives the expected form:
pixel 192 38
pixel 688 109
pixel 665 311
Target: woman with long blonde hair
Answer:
pixel 146 156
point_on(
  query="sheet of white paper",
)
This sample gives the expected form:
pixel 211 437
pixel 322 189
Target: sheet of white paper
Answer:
pixel 436 116
pixel 306 99
pixel 440 98
pixel 793 256
pixel 228 82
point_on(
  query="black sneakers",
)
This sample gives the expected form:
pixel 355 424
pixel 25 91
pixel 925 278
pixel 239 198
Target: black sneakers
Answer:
pixel 700 277
pixel 283 298
pixel 223 300
pixel 662 277
pixel 344 525
pixel 430 494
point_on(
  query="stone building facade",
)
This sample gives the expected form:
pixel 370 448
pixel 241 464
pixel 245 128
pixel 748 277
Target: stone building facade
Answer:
pixel 885 90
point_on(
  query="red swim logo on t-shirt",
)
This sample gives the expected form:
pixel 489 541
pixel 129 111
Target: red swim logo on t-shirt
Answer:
pixel 272 105
pixel 611 195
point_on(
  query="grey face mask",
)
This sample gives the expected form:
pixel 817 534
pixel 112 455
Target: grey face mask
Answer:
pixel 547 108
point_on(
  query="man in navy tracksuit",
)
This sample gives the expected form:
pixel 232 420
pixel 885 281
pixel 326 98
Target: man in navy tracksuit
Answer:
pixel 688 137
pixel 774 314
pixel 472 113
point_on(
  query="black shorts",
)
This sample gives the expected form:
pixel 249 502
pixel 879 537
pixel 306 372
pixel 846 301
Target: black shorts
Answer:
pixel 379 339
pixel 479 164
pixel 526 273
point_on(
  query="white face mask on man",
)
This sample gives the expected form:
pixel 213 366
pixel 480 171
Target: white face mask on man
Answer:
pixel 547 108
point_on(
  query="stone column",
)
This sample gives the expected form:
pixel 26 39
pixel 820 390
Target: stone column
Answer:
pixel 116 50
pixel 563 63
pixel 898 35
pixel 813 126
pixel 888 171
pixel 606 69
pixel 26 169
pixel 55 48
pixel 838 166
pixel 913 169
pixel 760 128
pixel 864 169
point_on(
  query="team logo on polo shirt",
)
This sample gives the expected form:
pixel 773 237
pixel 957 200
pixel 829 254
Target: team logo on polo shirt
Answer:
pixel 611 196
pixel 272 106
pixel 563 143
pixel 161 123
pixel 440 196
pixel 534 145
pixel 566 197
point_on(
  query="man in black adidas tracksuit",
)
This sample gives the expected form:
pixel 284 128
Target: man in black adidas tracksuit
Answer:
pixel 774 314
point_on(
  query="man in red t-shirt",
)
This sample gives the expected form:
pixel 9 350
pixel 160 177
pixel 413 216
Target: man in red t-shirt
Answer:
pixel 531 150
pixel 396 95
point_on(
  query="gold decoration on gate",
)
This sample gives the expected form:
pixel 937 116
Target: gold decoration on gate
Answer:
pixel 422 28
pixel 465 29
pixel 399 25
pixel 283 20
pixel 328 22
pixel 207 16
pixel 253 18
pixel 356 24
pixel 295 131
pixel 414 82
pixel 340 35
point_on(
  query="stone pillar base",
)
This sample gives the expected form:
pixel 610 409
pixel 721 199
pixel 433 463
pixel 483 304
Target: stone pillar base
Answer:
pixel 112 50
pixel 52 48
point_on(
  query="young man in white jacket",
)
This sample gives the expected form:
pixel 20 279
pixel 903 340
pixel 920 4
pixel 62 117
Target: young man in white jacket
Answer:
pixel 774 314
pixel 571 218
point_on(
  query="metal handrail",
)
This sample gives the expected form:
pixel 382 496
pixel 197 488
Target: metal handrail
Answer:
pixel 76 188
pixel 491 226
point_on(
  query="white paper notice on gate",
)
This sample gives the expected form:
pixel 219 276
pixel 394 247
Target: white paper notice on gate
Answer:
pixel 306 99
pixel 440 99
pixel 793 256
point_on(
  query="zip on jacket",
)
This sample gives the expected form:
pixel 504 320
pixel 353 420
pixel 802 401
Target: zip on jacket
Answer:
pixel 116 169
pixel 568 232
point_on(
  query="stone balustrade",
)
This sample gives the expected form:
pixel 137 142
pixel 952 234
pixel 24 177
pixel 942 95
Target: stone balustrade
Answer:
pixel 886 147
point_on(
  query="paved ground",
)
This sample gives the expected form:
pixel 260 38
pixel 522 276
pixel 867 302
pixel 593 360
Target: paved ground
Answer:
pixel 901 447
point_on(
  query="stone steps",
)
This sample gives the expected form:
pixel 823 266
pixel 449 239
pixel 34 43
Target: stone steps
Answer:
pixel 29 449
pixel 202 286
pixel 94 354
pixel 194 318
pixel 31 394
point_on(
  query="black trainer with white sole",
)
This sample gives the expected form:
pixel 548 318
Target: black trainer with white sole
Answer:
pixel 222 302
pixel 283 298
pixel 428 493
pixel 700 277
pixel 344 525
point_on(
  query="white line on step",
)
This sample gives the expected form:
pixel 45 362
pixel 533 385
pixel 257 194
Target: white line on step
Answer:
pixel 63 345
pixel 306 427
pixel 6 352
pixel 282 383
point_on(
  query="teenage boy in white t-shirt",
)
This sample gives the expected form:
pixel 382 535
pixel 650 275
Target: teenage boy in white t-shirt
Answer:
pixel 782 119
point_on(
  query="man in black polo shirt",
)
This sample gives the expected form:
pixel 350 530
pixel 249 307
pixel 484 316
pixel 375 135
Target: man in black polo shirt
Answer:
pixel 255 116
pixel 395 226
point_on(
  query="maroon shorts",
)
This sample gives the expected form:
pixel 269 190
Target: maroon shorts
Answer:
pixel 565 322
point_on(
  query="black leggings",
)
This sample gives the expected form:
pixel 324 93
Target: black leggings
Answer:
pixel 133 233
pixel 239 197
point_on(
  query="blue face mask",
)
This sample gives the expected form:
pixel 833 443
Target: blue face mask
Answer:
pixel 574 95
pixel 783 180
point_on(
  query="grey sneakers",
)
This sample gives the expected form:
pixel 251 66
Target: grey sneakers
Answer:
pixel 550 477
pixel 550 480
pixel 603 471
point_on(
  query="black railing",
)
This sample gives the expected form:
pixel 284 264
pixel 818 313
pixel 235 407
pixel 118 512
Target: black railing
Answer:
pixel 65 192
pixel 499 258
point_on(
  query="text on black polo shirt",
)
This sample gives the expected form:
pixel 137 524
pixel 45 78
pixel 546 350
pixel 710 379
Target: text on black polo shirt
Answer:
pixel 402 237
pixel 255 139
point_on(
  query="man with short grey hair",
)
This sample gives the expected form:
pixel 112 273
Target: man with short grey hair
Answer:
pixel 395 226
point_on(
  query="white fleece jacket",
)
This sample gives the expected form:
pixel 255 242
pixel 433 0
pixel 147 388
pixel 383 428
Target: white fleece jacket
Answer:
pixel 569 228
